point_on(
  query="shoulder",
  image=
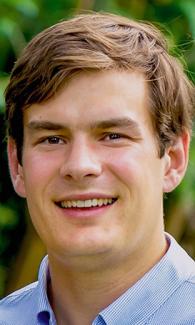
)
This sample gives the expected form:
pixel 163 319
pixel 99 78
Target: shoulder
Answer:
pixel 15 306
pixel 179 308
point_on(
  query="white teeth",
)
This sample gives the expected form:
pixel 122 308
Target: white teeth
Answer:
pixel 86 203
pixel 94 202
pixel 80 204
pixel 69 204
pixel 73 204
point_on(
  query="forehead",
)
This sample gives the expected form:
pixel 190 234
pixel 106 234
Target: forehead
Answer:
pixel 94 96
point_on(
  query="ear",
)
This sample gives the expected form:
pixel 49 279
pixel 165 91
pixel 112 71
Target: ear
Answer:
pixel 176 161
pixel 16 170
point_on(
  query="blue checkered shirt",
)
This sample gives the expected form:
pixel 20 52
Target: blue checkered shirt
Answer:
pixel 163 296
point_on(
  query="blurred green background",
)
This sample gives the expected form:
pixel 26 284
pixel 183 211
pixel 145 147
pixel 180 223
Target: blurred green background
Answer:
pixel 20 20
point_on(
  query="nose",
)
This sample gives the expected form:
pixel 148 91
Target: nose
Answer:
pixel 81 162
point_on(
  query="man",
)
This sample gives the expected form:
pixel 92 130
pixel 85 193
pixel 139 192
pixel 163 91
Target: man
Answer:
pixel 99 121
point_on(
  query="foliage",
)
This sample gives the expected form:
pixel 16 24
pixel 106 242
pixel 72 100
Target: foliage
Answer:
pixel 20 20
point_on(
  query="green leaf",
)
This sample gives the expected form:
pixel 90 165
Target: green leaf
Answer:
pixel 8 217
pixel 13 32
pixel 3 84
pixel 188 7
pixel 7 27
pixel 27 7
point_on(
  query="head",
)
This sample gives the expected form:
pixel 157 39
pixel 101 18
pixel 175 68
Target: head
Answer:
pixel 100 42
pixel 94 185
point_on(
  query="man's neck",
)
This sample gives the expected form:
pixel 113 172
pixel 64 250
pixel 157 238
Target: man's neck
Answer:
pixel 78 296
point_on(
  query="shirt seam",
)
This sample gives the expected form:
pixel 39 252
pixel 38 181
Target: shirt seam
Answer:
pixel 191 280
pixel 165 301
pixel 15 295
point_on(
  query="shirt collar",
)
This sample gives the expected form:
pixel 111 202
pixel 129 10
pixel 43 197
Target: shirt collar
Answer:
pixel 44 311
pixel 140 301
pixel 144 298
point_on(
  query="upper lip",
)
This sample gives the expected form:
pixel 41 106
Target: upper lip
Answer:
pixel 87 196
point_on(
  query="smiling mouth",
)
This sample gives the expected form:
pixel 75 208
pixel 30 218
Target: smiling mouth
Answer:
pixel 83 204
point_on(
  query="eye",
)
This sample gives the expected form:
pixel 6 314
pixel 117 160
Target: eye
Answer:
pixel 113 136
pixel 53 140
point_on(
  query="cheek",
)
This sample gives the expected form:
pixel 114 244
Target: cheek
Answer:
pixel 138 170
pixel 126 165
pixel 39 171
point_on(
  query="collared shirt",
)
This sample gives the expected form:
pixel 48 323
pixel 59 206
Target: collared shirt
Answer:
pixel 163 296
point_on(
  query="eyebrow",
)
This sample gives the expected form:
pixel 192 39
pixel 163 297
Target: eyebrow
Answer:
pixel 104 124
pixel 45 125
pixel 115 122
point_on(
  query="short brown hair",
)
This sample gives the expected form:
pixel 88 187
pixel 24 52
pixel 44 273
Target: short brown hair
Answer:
pixel 95 42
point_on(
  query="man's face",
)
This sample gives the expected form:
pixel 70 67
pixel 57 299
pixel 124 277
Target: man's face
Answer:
pixel 91 173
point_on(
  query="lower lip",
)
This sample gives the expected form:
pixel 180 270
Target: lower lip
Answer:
pixel 83 213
